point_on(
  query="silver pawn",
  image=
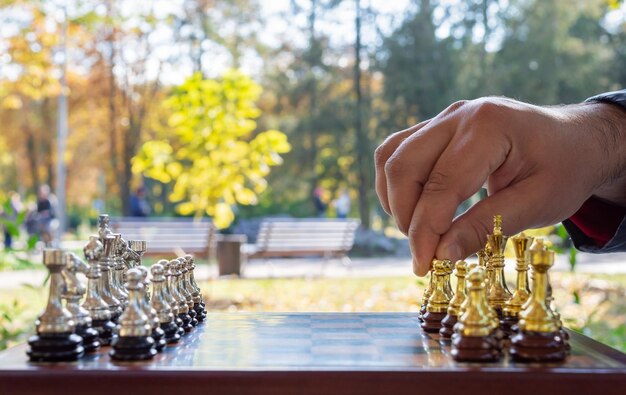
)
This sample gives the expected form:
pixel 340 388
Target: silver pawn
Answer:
pixel 183 287
pixel 98 309
pixel 171 300
pixel 134 341
pixel 74 292
pixel 159 303
pixel 56 339
pixel 180 301
pixel 196 293
pixel 157 333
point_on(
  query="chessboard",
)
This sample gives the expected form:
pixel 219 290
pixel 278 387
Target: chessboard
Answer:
pixel 360 353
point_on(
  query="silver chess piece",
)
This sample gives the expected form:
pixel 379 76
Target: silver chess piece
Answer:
pixel 74 291
pixel 104 228
pixel 98 309
pixel 106 288
pixel 56 339
pixel 179 300
pixel 157 333
pixel 138 247
pixel 169 295
pixel 118 270
pixel 196 293
pixel 159 303
pixel 183 287
pixel 134 341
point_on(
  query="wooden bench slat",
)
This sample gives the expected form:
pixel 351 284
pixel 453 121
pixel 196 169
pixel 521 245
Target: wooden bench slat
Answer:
pixel 304 237
pixel 165 235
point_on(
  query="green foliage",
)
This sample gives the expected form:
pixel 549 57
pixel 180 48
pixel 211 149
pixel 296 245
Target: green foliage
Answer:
pixel 209 151
pixel 11 328
pixel 12 221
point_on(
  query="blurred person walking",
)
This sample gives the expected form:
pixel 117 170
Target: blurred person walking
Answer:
pixel 320 205
pixel 342 204
pixel 139 206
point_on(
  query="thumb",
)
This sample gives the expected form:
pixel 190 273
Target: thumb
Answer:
pixel 520 207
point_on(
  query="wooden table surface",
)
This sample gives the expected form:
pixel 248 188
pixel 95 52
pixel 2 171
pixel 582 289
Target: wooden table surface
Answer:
pixel 345 353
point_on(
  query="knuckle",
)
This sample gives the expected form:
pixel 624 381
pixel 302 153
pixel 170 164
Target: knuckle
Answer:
pixel 380 155
pixel 486 110
pixel 455 106
pixel 395 167
pixel 412 232
pixel 437 182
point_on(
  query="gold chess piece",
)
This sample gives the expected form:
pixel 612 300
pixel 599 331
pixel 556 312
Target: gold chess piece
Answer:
pixel 454 308
pixel 514 305
pixel 486 254
pixel 473 338
pixel 438 302
pixel 498 293
pixel 427 292
pixel 539 337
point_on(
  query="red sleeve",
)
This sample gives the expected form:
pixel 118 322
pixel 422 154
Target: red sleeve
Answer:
pixel 598 220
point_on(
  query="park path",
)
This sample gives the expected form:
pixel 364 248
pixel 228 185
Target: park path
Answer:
pixel 359 267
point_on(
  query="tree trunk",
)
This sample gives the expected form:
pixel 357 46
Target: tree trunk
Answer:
pixel 363 157
pixel 31 153
pixel 313 110
pixel 113 135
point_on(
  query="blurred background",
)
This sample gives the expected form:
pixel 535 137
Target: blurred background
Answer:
pixel 236 111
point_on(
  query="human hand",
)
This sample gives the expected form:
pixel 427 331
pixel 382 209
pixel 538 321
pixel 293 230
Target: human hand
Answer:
pixel 540 164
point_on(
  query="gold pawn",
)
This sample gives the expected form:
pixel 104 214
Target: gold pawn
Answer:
pixel 537 316
pixel 439 300
pixel 429 289
pixel 513 307
pixel 470 266
pixel 476 320
pixel 446 280
pixel 460 271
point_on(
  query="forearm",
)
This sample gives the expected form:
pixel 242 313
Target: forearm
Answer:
pixel 600 224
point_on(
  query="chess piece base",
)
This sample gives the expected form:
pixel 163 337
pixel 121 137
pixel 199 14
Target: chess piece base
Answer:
pixel 432 322
pixel 507 324
pixel 447 325
pixel 115 317
pixel 200 313
pixel 132 348
pixel 105 330
pixel 158 335
pixel 187 327
pixel 475 349
pixel 90 336
pixel 171 332
pixel 193 315
pixel 422 312
pixel 55 347
pixel 538 347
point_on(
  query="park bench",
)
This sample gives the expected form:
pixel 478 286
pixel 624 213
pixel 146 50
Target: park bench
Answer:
pixel 169 236
pixel 304 237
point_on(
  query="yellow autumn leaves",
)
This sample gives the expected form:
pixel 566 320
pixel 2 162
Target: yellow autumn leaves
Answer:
pixel 210 150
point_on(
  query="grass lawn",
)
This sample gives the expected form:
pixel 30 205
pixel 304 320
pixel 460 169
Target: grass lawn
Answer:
pixel 594 305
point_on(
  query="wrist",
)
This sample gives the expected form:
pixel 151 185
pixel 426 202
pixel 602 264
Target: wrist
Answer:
pixel 607 123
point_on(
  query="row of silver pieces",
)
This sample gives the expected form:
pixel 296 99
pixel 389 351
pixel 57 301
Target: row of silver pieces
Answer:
pixel 108 260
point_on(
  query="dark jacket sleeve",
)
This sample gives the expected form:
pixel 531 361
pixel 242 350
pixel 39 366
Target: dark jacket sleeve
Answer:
pixel 581 239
